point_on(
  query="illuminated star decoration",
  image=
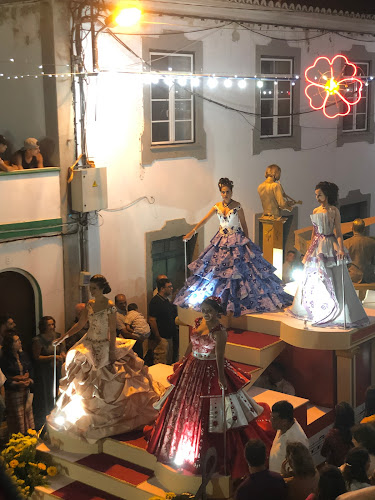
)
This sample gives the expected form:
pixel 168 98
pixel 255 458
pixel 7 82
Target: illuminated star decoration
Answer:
pixel 333 85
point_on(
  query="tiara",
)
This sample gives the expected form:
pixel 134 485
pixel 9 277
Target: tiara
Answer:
pixel 215 299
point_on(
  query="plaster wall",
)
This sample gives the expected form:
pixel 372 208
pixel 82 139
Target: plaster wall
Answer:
pixel 42 258
pixel 187 188
pixel 30 196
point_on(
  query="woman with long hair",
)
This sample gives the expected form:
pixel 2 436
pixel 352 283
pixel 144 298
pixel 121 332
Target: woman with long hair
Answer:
pixel 16 366
pixel 232 266
pixel 320 295
pixel 299 472
pixel 106 389
pixel 191 418
pixel 338 441
pixel 355 472
pixel 364 437
pixel 43 354
pixel 331 484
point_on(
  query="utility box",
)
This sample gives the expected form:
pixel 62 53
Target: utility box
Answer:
pixel 89 189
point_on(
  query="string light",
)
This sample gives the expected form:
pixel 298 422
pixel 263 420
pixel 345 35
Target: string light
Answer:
pixel 227 83
pixel 212 82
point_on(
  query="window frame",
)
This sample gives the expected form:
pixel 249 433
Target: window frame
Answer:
pixel 275 99
pixel 279 49
pixel 353 110
pixel 172 101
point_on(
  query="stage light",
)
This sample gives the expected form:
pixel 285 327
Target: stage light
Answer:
pixel 297 274
pixel 60 420
pixel 128 17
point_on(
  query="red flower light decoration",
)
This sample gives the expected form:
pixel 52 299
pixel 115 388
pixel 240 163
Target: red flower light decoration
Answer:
pixel 329 86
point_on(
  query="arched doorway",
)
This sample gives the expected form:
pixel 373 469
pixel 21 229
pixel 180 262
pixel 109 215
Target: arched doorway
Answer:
pixel 18 294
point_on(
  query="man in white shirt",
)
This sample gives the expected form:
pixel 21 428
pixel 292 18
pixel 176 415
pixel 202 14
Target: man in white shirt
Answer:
pixel 288 430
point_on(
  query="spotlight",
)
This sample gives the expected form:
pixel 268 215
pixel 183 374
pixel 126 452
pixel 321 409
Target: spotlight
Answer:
pixel 128 17
pixel 60 420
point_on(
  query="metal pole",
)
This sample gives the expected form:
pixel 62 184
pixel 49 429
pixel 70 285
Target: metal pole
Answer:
pixel 54 374
pixel 224 431
pixel 343 291
pixel 185 251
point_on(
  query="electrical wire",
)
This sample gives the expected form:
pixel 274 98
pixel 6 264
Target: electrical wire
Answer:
pixel 150 199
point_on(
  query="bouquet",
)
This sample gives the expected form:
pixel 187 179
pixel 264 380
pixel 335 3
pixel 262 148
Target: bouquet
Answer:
pixel 24 464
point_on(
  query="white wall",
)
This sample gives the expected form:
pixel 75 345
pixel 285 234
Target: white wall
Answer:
pixel 30 196
pixel 187 188
pixel 43 259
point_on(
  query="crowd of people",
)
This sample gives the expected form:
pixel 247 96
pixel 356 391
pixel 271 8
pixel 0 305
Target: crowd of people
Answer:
pixel 348 450
pixel 25 158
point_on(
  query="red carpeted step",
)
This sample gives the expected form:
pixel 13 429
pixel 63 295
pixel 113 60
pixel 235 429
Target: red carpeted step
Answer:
pixel 115 467
pixel 134 438
pixel 80 491
pixel 247 369
pixel 251 339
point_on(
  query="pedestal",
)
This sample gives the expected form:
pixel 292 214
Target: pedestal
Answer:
pixel 273 242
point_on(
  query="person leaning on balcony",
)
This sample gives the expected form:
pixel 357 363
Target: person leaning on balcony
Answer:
pixel 29 156
pixel 4 165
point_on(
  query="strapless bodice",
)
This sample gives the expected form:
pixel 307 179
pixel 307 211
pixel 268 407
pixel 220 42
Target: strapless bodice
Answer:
pixel 229 223
pixel 324 223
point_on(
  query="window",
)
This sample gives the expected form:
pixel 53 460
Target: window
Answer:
pixel 357 119
pixel 172 103
pixel 276 98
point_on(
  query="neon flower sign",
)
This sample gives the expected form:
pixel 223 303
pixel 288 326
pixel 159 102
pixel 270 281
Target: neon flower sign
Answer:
pixel 333 85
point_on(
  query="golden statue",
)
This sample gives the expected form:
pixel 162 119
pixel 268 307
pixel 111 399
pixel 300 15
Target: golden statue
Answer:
pixel 272 195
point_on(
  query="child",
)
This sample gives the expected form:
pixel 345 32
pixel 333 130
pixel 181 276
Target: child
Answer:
pixel 137 322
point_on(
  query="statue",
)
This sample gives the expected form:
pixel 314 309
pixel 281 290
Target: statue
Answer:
pixel 272 194
pixel 362 252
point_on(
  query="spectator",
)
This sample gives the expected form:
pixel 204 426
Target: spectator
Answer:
pixel 162 316
pixel 123 328
pixel 338 441
pixel 273 380
pixel 362 252
pixel 364 436
pixel 299 472
pixel 369 406
pixel 17 368
pixel 261 484
pixel 288 429
pixel 159 277
pixel 138 324
pixel 43 354
pixel 6 323
pixel 71 341
pixel 331 484
pixel 4 165
pixel 29 156
pixel 355 471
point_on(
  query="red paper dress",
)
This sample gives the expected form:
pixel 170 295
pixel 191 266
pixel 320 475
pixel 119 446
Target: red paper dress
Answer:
pixel 191 416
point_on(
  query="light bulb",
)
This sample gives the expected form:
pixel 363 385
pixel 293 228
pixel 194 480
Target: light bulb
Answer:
pixel 228 83
pixel 259 84
pixel 242 84
pixel 212 82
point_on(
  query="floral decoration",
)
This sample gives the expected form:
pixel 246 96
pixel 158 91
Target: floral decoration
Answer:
pixel 24 464
pixel 333 85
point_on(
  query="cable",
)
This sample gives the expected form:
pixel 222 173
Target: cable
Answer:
pixel 150 199
pixel 283 39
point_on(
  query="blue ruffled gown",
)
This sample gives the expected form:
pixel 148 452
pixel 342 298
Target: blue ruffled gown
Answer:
pixel 232 267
